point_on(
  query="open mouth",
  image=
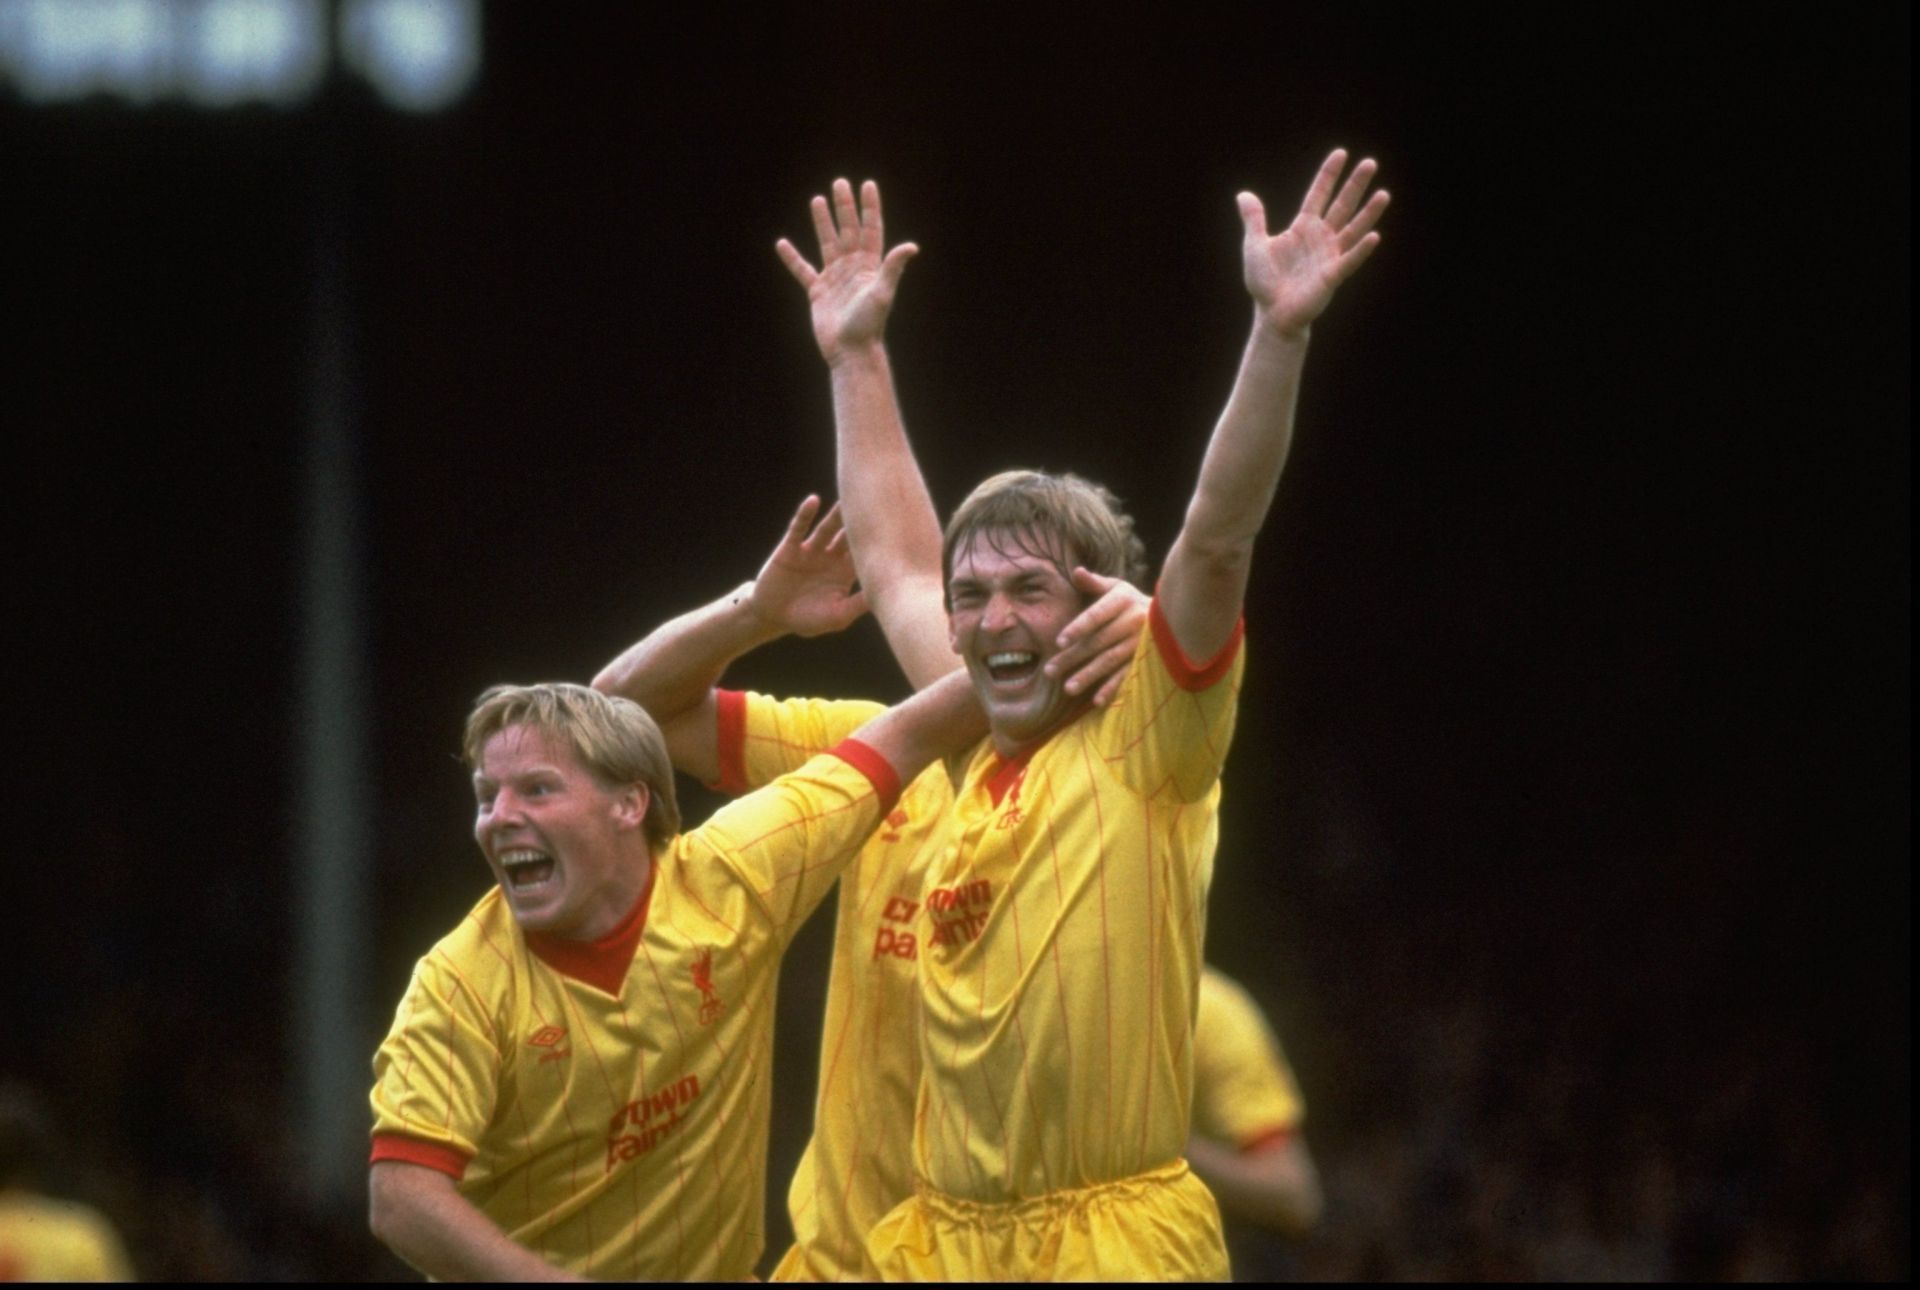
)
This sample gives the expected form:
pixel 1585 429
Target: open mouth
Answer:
pixel 1010 666
pixel 526 869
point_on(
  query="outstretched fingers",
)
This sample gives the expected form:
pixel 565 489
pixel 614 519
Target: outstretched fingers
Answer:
pixel 823 229
pixel 1321 191
pixel 802 520
pixel 1360 226
pixel 803 272
pixel 872 227
pixel 896 263
pixel 845 215
pixel 1253 216
pixel 1351 192
pixel 1352 260
pixel 828 531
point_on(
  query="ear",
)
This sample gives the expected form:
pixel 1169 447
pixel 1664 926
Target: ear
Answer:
pixel 953 634
pixel 630 806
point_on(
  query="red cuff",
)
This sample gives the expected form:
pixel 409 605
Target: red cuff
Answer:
pixel 878 770
pixel 1187 674
pixel 1267 1140
pixel 731 709
pixel 417 1151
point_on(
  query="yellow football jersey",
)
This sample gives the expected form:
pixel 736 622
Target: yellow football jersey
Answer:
pixel 1243 1090
pixel 607 1104
pixel 1067 908
pixel 858 1164
pixel 42 1239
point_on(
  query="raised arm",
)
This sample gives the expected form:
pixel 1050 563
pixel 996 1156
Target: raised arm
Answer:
pixel 418 1214
pixel 1292 277
pixel 891 523
pixel 804 589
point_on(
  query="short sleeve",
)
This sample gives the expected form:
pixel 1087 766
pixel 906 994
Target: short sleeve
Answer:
pixel 789 841
pixel 1243 1090
pixel 1171 724
pixel 437 1073
pixel 762 738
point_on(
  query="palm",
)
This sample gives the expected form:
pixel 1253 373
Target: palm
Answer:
pixel 806 585
pixel 1292 275
pixel 850 301
pixel 852 291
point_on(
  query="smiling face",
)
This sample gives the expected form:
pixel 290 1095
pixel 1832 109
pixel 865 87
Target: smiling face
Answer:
pixel 569 851
pixel 1009 597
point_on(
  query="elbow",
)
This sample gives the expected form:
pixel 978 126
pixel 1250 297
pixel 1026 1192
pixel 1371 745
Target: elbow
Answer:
pixel 381 1219
pixel 389 1207
pixel 1210 559
pixel 1298 1212
pixel 1298 1199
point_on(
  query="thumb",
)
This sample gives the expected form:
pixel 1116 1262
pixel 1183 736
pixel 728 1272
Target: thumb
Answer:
pixel 1253 215
pixel 896 262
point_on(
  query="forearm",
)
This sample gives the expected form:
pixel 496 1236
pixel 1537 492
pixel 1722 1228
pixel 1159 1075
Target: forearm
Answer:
pixel 892 527
pixel 1248 448
pixel 1276 1188
pixel 680 662
pixel 674 671
pixel 939 721
pixel 1204 582
pixel 418 1215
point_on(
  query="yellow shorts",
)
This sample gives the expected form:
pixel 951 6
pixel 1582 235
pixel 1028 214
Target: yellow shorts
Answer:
pixel 801 1263
pixel 1162 1225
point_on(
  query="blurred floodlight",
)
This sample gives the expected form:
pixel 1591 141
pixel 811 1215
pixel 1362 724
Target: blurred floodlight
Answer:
pixel 419 54
pixel 269 50
pixel 68 49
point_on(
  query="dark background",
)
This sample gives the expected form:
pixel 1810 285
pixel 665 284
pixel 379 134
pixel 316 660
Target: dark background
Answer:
pixel 1564 831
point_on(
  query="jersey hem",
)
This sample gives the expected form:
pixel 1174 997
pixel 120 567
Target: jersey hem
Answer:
pixel 731 718
pixel 1186 673
pixel 418 1151
pixel 878 770
pixel 1266 1140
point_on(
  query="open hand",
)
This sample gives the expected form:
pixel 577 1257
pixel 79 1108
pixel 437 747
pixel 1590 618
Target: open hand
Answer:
pixel 806 586
pixel 1292 276
pixel 1097 646
pixel 852 290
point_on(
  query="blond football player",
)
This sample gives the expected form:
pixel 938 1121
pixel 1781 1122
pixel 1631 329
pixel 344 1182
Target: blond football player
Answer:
pixel 577 1082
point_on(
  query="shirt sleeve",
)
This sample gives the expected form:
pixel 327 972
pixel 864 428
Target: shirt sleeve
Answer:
pixel 1243 1091
pixel 1169 727
pixel 762 738
pixel 437 1073
pixel 789 841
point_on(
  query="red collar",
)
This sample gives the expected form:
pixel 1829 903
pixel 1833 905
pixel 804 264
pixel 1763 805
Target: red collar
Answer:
pixel 1008 774
pixel 602 964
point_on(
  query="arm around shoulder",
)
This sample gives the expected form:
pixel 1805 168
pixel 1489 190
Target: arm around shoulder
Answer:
pixel 939 721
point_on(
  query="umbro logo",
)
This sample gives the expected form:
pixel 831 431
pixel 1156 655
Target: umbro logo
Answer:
pixel 547 1036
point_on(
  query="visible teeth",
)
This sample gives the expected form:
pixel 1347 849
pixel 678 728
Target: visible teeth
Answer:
pixel 508 859
pixel 1012 659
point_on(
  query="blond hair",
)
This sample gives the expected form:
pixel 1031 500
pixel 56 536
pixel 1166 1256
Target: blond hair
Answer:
pixel 1062 518
pixel 614 739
